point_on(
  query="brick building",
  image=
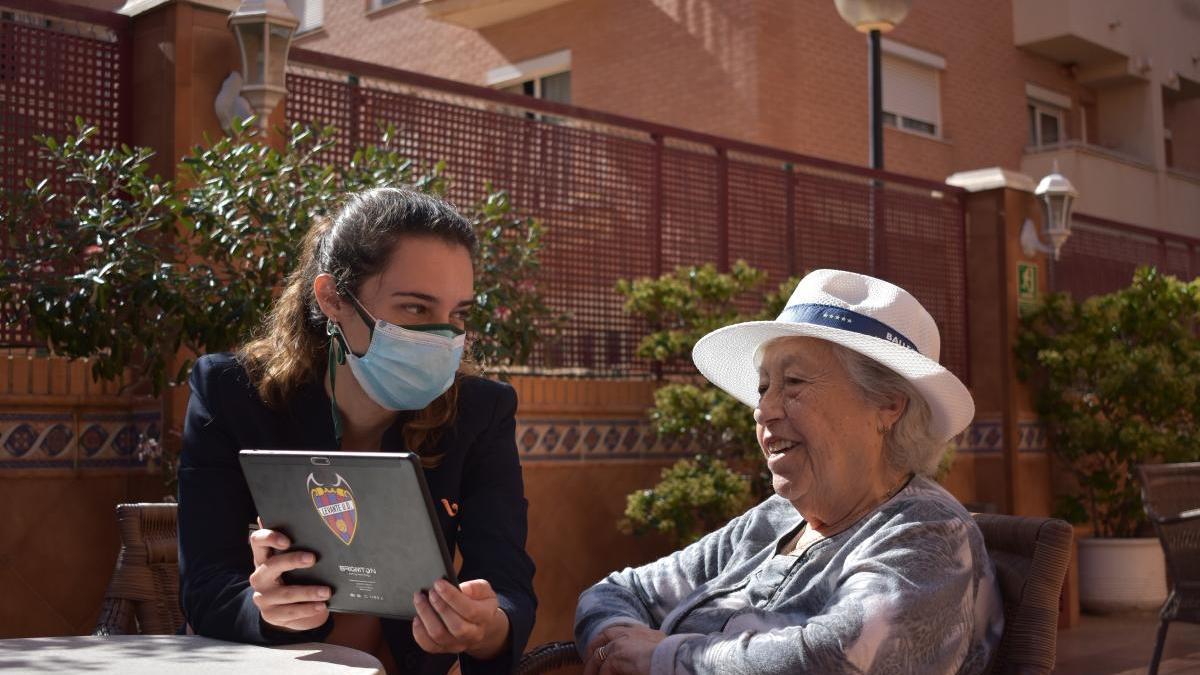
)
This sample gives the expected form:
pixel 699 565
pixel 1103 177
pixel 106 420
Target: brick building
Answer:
pixel 1109 90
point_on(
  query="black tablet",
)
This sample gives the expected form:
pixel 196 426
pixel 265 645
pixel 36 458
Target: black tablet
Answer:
pixel 367 516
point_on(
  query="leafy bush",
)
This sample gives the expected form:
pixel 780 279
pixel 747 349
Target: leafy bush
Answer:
pixel 693 498
pixel 1117 381
pixel 684 305
pixel 137 268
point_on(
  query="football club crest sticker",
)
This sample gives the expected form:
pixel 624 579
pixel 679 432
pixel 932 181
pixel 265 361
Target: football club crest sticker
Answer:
pixel 336 506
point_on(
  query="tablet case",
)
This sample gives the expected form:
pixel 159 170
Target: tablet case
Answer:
pixel 367 516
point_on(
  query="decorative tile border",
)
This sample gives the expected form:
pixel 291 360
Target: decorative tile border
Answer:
pixel 583 439
pixel 634 439
pixel 987 436
pixel 47 440
pixel 59 440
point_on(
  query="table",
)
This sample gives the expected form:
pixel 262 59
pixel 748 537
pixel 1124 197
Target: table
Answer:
pixel 178 655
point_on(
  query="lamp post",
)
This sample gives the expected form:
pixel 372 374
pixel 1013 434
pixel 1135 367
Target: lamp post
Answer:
pixel 1058 199
pixel 263 29
pixel 874 17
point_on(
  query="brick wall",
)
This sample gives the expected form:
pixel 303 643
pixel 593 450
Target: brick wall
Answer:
pixel 785 73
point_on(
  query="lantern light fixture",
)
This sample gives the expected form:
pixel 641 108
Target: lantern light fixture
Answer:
pixel 1058 199
pixel 263 29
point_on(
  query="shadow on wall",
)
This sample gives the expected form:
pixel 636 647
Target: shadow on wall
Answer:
pixel 612 42
pixel 574 508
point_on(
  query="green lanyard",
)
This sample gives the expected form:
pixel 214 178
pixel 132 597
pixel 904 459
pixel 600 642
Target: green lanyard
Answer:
pixel 337 357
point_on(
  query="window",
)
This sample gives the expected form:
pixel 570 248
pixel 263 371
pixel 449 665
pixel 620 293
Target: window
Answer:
pixel 911 96
pixel 310 13
pixel 1045 124
pixel 556 87
pixel 1047 113
pixel 546 77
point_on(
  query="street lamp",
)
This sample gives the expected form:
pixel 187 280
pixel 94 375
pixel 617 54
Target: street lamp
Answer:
pixel 1058 197
pixel 874 17
pixel 263 29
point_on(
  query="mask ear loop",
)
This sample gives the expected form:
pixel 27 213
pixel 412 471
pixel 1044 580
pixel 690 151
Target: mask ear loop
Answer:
pixel 364 315
pixel 337 357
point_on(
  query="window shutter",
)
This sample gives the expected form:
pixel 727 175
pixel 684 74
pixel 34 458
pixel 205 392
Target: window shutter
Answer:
pixel 310 13
pixel 910 90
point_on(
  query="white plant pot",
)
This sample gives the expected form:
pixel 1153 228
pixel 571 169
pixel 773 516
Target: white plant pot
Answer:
pixel 1121 575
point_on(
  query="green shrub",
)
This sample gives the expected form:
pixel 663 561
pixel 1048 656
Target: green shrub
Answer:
pixel 1117 381
pixel 693 498
pixel 683 306
pixel 136 268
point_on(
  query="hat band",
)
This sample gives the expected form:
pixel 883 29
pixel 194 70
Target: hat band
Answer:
pixel 845 319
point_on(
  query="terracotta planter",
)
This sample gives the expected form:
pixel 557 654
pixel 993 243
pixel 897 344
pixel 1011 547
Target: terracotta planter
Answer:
pixel 1121 575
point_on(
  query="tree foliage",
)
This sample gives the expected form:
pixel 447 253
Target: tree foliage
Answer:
pixel 1117 381
pixel 693 498
pixel 683 306
pixel 133 268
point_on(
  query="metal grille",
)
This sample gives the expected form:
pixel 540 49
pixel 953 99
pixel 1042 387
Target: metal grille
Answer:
pixel 56 63
pixel 1101 255
pixel 623 198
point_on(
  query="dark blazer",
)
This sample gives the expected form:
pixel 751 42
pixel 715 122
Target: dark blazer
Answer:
pixel 479 471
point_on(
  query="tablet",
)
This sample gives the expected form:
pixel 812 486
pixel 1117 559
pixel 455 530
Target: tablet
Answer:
pixel 367 516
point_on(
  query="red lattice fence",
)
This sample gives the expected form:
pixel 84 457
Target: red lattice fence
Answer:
pixel 57 62
pixel 1101 255
pixel 622 198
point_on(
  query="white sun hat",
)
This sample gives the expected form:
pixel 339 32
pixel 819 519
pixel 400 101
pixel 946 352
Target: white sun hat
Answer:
pixel 873 317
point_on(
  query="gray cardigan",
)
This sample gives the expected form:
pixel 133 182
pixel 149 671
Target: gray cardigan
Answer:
pixel 908 589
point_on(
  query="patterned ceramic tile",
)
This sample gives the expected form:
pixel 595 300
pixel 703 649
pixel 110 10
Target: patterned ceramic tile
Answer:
pixel 987 436
pixel 36 440
pixel 563 439
pixel 566 439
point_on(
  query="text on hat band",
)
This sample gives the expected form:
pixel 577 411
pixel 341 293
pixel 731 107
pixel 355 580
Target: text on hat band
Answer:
pixel 845 319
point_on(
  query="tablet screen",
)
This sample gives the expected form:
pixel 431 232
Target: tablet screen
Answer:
pixel 367 516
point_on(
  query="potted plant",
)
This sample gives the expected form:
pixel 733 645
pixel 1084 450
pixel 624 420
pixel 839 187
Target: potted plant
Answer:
pixel 1117 382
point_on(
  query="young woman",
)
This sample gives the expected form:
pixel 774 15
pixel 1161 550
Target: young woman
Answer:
pixel 362 352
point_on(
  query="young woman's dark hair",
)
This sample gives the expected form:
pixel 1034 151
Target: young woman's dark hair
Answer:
pixel 292 346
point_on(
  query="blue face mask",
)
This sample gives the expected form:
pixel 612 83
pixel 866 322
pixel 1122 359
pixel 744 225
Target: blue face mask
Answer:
pixel 404 368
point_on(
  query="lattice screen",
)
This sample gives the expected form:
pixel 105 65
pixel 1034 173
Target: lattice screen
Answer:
pixel 607 195
pixel 52 70
pixel 1100 257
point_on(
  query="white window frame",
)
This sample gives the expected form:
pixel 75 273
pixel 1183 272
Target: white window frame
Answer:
pixel 924 59
pixel 380 4
pixel 316 7
pixel 554 63
pixel 1051 104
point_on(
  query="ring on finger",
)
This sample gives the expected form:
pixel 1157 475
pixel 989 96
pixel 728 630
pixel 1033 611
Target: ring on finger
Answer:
pixel 601 652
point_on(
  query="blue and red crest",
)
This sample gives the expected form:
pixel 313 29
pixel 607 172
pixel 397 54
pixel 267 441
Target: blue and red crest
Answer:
pixel 336 506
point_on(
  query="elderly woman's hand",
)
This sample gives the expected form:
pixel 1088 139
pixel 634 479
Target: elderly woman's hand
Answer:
pixel 627 650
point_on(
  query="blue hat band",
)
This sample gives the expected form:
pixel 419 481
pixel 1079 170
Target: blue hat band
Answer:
pixel 844 319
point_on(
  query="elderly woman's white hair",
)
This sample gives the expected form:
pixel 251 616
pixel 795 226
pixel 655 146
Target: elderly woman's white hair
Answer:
pixel 911 444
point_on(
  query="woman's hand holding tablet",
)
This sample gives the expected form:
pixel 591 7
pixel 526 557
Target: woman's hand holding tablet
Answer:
pixel 466 618
pixel 293 608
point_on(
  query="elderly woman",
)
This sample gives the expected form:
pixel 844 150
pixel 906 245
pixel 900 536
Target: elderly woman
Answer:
pixel 859 563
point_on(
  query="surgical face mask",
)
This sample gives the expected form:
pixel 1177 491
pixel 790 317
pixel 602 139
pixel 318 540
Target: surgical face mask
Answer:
pixel 404 367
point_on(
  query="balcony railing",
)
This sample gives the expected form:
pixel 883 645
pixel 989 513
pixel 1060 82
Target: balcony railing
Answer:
pixel 1121 187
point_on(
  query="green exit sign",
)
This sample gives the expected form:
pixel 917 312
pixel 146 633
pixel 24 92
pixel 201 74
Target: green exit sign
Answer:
pixel 1027 285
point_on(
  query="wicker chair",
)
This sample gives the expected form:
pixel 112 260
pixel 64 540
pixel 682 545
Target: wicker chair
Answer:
pixel 143 595
pixel 1171 496
pixel 1031 556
